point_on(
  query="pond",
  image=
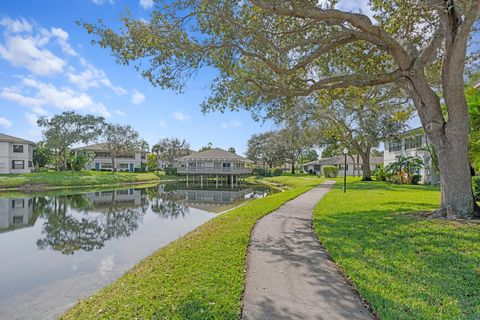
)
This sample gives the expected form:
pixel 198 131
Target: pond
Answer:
pixel 56 249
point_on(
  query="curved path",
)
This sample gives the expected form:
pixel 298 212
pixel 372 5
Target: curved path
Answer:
pixel 289 274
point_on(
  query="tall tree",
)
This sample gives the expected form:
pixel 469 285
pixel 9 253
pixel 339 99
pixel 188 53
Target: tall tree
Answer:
pixel 268 50
pixel 361 119
pixel 120 140
pixel 169 150
pixel 308 156
pixel 266 147
pixel 63 130
pixel 42 154
pixel 209 146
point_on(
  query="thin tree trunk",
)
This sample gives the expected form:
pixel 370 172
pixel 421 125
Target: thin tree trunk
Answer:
pixel 114 168
pixel 293 165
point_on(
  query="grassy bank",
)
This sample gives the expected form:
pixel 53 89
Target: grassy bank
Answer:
pixel 200 276
pixel 68 179
pixel 405 266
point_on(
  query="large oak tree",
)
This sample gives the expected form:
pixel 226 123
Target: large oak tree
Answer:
pixel 268 50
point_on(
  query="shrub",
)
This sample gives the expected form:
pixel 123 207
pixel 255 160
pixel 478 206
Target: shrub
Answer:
pixel 330 171
pixel 380 173
pixel 258 172
pixel 170 171
pixel 476 188
pixel 416 178
pixel 276 172
pixel 41 169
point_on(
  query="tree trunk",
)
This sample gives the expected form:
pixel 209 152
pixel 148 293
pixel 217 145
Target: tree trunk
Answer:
pixel 455 176
pixel 367 173
pixel 114 168
pixel 293 165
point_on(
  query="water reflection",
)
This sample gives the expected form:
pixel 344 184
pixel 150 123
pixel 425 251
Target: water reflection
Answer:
pixel 58 248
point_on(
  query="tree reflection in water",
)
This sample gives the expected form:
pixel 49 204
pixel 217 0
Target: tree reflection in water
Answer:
pixel 86 221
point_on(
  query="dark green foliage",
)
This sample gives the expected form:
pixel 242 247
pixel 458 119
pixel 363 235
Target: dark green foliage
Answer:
pixel 416 178
pixel 170 171
pixel 380 174
pixel 78 160
pixel 476 188
pixel 330 171
pixel 275 172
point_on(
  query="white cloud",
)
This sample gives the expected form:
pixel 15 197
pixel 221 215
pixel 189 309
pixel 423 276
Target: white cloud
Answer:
pixel 119 112
pixel 62 39
pixel 48 94
pixel 146 4
pixel 92 77
pixel 100 2
pixel 231 124
pixel 137 97
pixel 16 25
pixel 4 122
pixel 28 52
pixel 181 116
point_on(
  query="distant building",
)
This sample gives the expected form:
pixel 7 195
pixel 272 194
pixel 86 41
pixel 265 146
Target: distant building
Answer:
pixel 102 161
pixel 16 154
pixel 412 143
pixel 354 168
pixel 214 163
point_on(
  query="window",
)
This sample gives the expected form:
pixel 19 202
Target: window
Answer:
pixel 18 203
pixel 18 148
pixel 358 167
pixel 30 164
pixel 106 165
pixel 122 166
pixel 413 143
pixel 395 146
pixel 17 219
pixel 143 156
pixel 226 164
pixel 342 167
pixel 102 154
pixel 18 164
pixel 127 156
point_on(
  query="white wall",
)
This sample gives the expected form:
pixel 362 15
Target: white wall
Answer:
pixel 7 156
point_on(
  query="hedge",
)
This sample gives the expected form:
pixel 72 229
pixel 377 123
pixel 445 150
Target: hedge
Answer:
pixel 330 171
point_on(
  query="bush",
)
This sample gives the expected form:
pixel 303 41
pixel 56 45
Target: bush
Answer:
pixel 330 171
pixel 416 178
pixel 170 171
pixel 476 188
pixel 380 173
pixel 276 172
pixel 41 169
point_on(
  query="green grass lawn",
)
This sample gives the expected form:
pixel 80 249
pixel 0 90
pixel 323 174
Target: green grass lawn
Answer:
pixel 200 276
pixel 75 179
pixel 405 266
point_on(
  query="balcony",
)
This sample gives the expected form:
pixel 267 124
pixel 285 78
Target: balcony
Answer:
pixel 220 171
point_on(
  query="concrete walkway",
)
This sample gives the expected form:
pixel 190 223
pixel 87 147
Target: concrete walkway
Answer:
pixel 289 275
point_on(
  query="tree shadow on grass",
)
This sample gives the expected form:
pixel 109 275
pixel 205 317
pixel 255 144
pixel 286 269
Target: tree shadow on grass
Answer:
pixel 396 258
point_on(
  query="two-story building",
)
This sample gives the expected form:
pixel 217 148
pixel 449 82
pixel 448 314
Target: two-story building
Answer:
pixel 214 163
pixel 354 166
pixel 16 154
pixel 412 143
pixel 103 161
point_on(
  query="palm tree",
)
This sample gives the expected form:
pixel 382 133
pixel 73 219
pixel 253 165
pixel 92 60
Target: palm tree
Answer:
pixel 405 167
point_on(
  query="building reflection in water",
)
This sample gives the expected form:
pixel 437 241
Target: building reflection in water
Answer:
pixel 16 213
pixel 85 221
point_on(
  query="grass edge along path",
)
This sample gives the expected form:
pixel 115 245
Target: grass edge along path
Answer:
pixel 403 265
pixel 199 276
pixel 67 179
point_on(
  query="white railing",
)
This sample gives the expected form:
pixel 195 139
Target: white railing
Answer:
pixel 192 170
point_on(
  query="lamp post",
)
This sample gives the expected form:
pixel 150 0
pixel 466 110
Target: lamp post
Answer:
pixel 345 152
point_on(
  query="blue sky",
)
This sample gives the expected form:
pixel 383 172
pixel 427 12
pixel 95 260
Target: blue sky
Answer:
pixel 47 65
